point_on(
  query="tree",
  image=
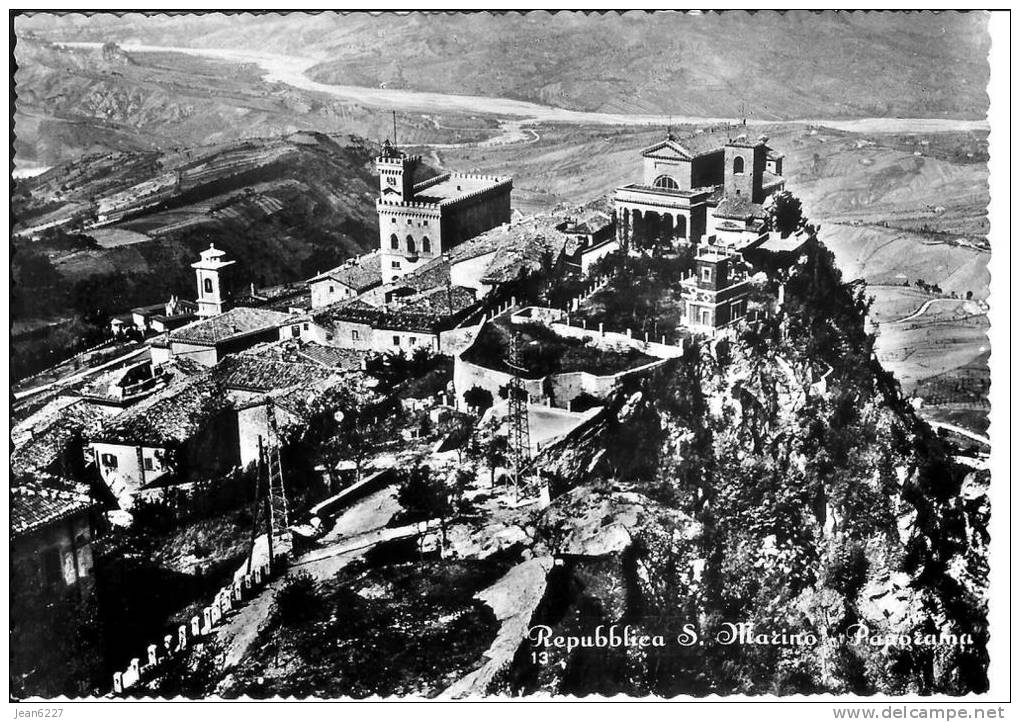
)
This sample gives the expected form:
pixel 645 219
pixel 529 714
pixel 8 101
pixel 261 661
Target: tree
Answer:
pixel 424 497
pixel 478 399
pixel 493 449
pixel 349 424
pixel 785 213
pixel 457 428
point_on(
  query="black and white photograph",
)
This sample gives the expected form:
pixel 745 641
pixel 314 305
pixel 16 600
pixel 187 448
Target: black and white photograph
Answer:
pixel 518 355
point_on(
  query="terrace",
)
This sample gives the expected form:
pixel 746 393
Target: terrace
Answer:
pixel 545 352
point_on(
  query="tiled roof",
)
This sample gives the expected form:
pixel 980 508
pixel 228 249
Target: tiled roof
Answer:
pixel 739 208
pixel 150 309
pixel 44 437
pixel 591 223
pixel 180 410
pixel 37 503
pixel 361 274
pixel 383 318
pixel 264 372
pixel 793 242
pixel 531 249
pixel 173 414
pixel 440 300
pixel 236 322
pixel 432 274
pixel 344 359
pixel 278 298
pixel 771 179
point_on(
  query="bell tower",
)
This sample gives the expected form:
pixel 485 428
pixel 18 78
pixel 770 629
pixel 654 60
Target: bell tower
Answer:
pixel 210 276
pixel 744 167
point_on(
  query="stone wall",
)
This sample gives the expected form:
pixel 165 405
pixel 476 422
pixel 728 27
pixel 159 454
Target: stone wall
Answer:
pixel 244 586
pixel 565 387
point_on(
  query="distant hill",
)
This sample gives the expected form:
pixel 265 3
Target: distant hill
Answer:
pixel 71 102
pixel 774 66
pixel 283 209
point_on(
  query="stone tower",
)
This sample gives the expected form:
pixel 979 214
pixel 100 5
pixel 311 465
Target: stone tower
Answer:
pixel 210 276
pixel 396 174
pixel 744 166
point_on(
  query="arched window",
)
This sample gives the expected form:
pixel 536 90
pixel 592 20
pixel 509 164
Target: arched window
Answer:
pixel 426 245
pixel 738 165
pixel 665 181
pixel 410 245
pixel 207 285
pixel 394 242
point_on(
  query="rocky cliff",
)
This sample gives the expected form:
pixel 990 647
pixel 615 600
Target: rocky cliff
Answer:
pixel 776 480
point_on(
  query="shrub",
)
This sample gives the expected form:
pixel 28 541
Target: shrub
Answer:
pixel 298 600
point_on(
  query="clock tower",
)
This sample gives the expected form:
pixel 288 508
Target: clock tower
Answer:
pixel 396 174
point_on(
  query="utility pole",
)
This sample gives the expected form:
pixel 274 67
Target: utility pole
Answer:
pixel 270 492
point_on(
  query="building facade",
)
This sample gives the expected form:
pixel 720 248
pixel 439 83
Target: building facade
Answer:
pixel 419 221
pixel 685 180
pixel 715 295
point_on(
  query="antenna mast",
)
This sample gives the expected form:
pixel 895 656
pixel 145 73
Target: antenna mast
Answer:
pixel 520 433
pixel 394 129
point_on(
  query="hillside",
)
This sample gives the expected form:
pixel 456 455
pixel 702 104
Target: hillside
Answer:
pixel 734 487
pixel 73 102
pixel 776 479
pixel 284 209
pixel 778 66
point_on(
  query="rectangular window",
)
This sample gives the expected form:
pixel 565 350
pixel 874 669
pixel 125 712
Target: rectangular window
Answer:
pixel 396 340
pixel 355 335
pixel 108 460
pixel 412 341
pixel 395 264
pixel 706 274
pixel 331 289
pixel 425 222
pixel 304 326
pixel 295 331
pixel 394 220
pixel 147 463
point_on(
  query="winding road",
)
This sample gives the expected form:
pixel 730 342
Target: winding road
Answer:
pixel 923 308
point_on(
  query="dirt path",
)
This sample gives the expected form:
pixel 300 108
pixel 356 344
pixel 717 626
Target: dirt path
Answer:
pixel 513 599
pixel 355 531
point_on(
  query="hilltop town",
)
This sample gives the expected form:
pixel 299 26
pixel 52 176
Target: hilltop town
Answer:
pixel 601 411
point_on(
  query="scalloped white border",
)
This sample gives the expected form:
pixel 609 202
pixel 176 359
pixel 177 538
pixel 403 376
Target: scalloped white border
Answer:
pixel 765 707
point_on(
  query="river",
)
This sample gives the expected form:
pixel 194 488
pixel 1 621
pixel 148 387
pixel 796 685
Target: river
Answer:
pixel 292 70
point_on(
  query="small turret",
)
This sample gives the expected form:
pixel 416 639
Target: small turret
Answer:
pixel 210 274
